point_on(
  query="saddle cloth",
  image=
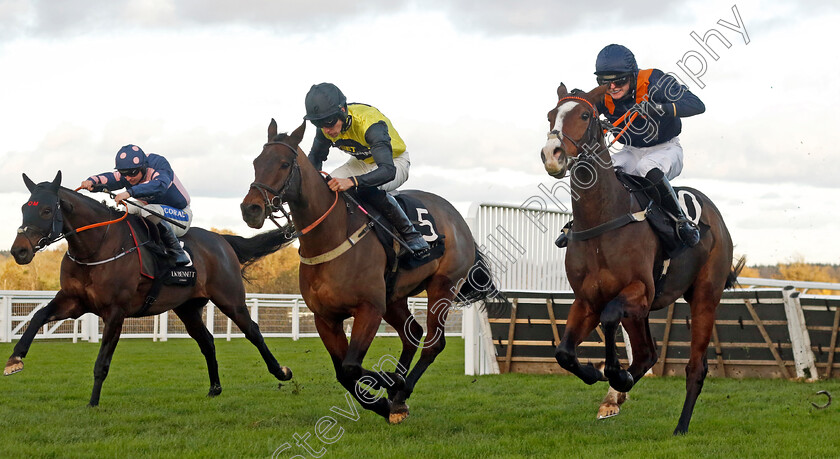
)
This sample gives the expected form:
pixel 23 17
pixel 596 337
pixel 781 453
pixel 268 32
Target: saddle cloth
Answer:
pixel 155 263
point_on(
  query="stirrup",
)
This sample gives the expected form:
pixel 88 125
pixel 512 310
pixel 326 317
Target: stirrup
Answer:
pixel 418 250
pixel 563 240
pixel 688 232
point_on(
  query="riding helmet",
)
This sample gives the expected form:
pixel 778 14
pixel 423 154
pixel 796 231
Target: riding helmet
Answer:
pixel 130 157
pixel 323 101
pixel 615 61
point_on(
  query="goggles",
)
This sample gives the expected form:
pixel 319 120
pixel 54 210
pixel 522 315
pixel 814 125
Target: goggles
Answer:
pixel 618 80
pixel 327 122
pixel 130 172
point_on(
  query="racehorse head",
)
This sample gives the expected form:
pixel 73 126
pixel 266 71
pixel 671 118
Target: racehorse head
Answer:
pixel 42 221
pixel 276 176
pixel 574 130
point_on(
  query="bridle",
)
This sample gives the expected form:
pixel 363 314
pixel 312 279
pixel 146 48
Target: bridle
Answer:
pixel 57 233
pixel 591 131
pixel 275 204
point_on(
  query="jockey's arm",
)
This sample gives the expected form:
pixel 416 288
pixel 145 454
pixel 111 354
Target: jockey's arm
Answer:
pixel 380 148
pixel 675 98
pixel 320 150
pixel 105 181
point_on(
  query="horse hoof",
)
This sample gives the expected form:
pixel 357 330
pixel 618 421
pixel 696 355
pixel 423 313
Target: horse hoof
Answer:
pixel 287 374
pixel 608 410
pixel 14 365
pixel 214 390
pixel 398 414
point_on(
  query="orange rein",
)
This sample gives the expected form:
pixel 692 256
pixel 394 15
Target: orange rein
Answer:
pixel 595 111
pixel 318 221
pixel 97 225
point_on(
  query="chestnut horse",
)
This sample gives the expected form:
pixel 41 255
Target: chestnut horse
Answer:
pixel 352 284
pixel 612 274
pixel 97 278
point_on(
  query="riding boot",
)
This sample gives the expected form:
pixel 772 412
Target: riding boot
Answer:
pixel 173 245
pixel 687 230
pixel 388 206
pixel 563 239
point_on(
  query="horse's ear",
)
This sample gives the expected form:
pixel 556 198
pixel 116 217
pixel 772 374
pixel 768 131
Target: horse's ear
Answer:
pixel 562 91
pixel 30 185
pixel 297 135
pixel 272 130
pixel 57 180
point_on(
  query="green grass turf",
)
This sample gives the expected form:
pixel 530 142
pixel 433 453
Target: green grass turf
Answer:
pixel 153 404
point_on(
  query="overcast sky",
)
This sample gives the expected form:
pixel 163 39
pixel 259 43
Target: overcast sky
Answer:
pixel 467 84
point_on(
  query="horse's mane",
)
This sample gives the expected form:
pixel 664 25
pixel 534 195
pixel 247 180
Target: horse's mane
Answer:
pixel 279 137
pixel 93 202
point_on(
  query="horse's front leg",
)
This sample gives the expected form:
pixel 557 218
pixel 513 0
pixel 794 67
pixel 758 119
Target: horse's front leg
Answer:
pixel 579 325
pixel 59 308
pixel 620 379
pixel 334 339
pixel 110 337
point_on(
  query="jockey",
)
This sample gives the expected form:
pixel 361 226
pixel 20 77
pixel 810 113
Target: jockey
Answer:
pixel 150 180
pixel 379 160
pixel 651 146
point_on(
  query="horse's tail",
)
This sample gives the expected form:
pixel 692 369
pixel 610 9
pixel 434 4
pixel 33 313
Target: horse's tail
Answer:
pixel 253 248
pixel 479 283
pixel 732 278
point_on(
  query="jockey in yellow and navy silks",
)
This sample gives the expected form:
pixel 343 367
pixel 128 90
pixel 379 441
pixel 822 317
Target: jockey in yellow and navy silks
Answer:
pixel 651 146
pixel 149 179
pixel 379 162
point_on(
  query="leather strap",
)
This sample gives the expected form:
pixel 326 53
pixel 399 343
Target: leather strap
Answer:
pixel 336 252
pixel 625 219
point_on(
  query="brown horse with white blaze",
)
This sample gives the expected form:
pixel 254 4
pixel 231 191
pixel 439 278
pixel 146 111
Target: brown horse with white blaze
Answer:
pixel 100 274
pixel 352 283
pixel 612 273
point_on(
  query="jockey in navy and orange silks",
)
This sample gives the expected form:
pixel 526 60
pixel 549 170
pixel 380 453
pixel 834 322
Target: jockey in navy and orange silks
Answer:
pixel 151 180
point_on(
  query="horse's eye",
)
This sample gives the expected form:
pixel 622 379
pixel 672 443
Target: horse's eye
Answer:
pixel 585 115
pixel 285 165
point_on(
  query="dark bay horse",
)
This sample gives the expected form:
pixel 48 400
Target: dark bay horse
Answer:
pixel 99 280
pixel 612 274
pixel 352 284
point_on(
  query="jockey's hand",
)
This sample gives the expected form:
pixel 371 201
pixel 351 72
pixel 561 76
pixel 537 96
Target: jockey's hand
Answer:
pixel 87 185
pixel 341 184
pixel 122 197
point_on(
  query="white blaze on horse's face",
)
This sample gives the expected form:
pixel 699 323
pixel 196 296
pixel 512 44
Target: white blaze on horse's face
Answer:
pixel 554 159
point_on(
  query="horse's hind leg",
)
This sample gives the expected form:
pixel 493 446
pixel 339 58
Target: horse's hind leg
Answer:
pixel 334 339
pixel 59 308
pixel 440 293
pixel 190 315
pixel 399 317
pixel 703 306
pixel 110 338
pixel 238 312
pixel 579 325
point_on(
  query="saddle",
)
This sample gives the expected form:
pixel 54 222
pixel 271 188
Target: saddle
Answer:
pixel 661 221
pixel 155 263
